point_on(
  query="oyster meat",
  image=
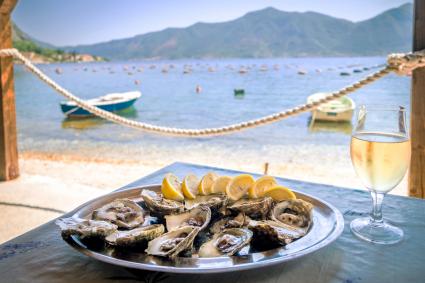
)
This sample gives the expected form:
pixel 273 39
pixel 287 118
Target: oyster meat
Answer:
pixel 124 213
pixel 294 212
pixel 274 232
pixel 156 203
pixel 171 244
pixel 255 208
pixel 135 236
pixel 226 243
pixel 85 228
pixel 199 216
pixel 214 202
pixel 241 220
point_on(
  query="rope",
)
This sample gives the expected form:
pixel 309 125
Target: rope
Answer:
pixel 399 63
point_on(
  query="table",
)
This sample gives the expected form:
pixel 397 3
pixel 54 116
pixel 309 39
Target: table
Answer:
pixel 42 256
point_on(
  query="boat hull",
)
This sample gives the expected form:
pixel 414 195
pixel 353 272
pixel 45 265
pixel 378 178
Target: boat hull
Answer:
pixel 76 111
pixel 344 116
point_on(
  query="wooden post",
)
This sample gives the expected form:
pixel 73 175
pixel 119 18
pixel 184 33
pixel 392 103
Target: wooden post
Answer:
pixel 9 167
pixel 417 121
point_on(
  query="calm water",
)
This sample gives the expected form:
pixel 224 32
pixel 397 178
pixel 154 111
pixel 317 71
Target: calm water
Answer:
pixel 170 100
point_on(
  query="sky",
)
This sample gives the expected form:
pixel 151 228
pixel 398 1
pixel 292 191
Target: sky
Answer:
pixel 72 22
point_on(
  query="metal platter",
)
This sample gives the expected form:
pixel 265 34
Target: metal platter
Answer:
pixel 328 224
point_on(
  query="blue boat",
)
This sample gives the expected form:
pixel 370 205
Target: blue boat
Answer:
pixel 112 102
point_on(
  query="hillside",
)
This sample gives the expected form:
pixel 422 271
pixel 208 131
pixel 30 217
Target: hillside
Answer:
pixel 268 33
pixel 41 52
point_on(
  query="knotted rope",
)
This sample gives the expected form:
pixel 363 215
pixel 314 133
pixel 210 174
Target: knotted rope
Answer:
pixel 399 63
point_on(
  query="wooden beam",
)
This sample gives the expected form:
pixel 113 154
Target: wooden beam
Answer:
pixel 9 167
pixel 417 102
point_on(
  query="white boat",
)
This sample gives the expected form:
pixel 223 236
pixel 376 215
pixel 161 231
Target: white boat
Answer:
pixel 338 110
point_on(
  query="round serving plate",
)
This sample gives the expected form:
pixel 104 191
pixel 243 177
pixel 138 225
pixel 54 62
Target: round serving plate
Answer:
pixel 328 224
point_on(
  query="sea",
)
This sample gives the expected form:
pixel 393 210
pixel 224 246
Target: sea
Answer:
pixel 170 99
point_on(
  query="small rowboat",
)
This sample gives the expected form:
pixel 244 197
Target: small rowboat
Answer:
pixel 111 102
pixel 338 110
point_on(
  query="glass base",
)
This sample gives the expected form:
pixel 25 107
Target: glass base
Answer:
pixel 378 233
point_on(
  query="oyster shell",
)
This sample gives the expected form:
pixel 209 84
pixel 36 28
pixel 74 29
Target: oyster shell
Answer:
pixel 294 212
pixel 275 232
pixel 171 244
pixel 135 236
pixel 156 203
pixel 199 216
pixel 228 242
pixel 238 221
pixel 85 228
pixel 124 213
pixel 255 208
pixel 214 202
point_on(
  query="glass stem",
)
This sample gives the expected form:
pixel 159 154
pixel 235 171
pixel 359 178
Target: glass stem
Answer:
pixel 376 214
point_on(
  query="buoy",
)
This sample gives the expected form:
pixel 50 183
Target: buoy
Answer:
pixel 198 89
pixel 58 71
pixel 239 92
pixel 136 82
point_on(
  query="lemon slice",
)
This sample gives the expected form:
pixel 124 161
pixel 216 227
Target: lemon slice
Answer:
pixel 220 185
pixel 262 184
pixel 279 193
pixel 171 188
pixel 190 186
pixel 206 183
pixel 238 186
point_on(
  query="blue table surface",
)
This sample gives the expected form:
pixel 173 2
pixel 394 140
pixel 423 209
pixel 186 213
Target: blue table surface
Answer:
pixel 41 255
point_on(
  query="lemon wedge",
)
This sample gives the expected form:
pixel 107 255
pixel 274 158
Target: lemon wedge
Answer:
pixel 190 186
pixel 261 185
pixel 279 193
pixel 171 188
pixel 238 186
pixel 220 185
pixel 206 183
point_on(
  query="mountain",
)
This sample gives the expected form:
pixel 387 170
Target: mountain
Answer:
pixel 41 52
pixel 268 33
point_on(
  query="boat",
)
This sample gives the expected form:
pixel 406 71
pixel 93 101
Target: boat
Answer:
pixel 338 110
pixel 239 92
pixel 112 102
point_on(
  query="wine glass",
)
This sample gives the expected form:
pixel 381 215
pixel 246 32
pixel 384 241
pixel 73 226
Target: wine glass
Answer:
pixel 380 153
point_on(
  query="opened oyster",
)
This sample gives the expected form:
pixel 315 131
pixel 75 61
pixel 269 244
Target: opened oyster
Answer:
pixel 295 212
pixel 124 213
pixel 199 216
pixel 255 208
pixel 215 202
pixel 85 228
pixel 241 220
pixel 135 236
pixel 228 242
pixel 171 244
pixel 156 203
pixel 276 233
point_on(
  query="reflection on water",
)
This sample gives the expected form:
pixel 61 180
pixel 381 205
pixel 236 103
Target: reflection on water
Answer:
pixel 335 127
pixel 84 123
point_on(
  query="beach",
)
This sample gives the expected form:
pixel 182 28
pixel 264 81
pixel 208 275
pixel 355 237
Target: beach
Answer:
pixel 53 183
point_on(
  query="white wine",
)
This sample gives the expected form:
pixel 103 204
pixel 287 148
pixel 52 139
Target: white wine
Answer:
pixel 380 159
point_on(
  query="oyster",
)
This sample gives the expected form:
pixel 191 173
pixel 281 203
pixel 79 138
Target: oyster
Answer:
pixel 214 201
pixel 135 236
pixel 275 233
pixel 255 208
pixel 199 216
pixel 124 213
pixel 171 244
pixel 228 242
pixel 238 221
pixel 156 203
pixel 294 212
pixel 85 228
